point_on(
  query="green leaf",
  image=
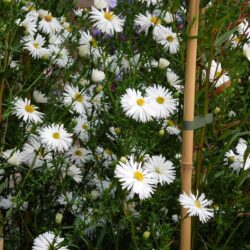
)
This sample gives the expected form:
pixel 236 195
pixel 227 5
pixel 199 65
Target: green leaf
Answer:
pixel 221 39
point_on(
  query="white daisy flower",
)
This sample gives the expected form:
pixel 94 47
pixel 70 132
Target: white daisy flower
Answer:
pixel 113 133
pixel 136 106
pixel 12 156
pixel 107 156
pixel 6 203
pixel 150 2
pixel 168 39
pixel 161 100
pixel 55 137
pixel 35 46
pixel 39 97
pixel 76 99
pixel 78 155
pixel 217 75
pixel 65 199
pixel 75 173
pixel 246 51
pixel 78 12
pixel 60 56
pixel 26 111
pixel 81 128
pixel 56 40
pixel 168 17
pixel 197 206
pixel 33 154
pixel 97 75
pixel 171 128
pixel 162 170
pixel 147 21
pixel 234 161
pixel 47 241
pixel 29 26
pixel 88 45
pixel 241 149
pixel 135 179
pixel 244 28
pixel 174 80
pixel 100 4
pixel 48 24
pixel 106 21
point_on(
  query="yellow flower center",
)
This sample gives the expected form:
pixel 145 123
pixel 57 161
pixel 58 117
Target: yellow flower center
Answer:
pixel 198 204
pixel 29 108
pixel 78 97
pixel 48 18
pixel 108 151
pixel 237 39
pixel 36 45
pixel 85 126
pixel 69 29
pixel 93 43
pixel 108 15
pixel 170 123
pixel 78 152
pixel 155 20
pixel 140 102
pixel 157 170
pixel 217 74
pixel 138 176
pixel 117 131
pixel 56 135
pixel 160 100
pixel 170 38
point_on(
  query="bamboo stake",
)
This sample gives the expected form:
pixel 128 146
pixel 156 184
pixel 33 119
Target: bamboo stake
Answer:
pixel 1 243
pixel 188 115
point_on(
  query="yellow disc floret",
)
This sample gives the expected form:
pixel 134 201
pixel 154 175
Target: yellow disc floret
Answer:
pixel 138 176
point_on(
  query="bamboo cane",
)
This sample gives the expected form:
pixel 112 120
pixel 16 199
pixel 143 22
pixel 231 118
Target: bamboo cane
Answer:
pixel 1 243
pixel 188 115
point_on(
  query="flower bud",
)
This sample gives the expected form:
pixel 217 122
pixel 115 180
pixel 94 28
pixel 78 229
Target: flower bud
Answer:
pixel 217 110
pixel 58 218
pixel 99 88
pixel 146 235
pixel 94 194
pixel 163 63
pixel 123 159
pixel 161 132
pixel 97 75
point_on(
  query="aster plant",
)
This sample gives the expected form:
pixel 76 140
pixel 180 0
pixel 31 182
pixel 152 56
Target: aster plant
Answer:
pixel 91 105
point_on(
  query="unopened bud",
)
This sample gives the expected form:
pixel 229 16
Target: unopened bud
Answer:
pixel 123 159
pixel 146 235
pixel 217 110
pixel 58 218
pixel 161 132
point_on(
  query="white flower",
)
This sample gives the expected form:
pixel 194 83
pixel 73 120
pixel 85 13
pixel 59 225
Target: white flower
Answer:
pixel 78 12
pixel 35 46
pixel 6 203
pixel 231 114
pixel 33 153
pixel 168 17
pixel 12 156
pixel 175 218
pixel 81 128
pixel 79 155
pixel 241 149
pixel 136 106
pixel 174 80
pixel 75 173
pixel 150 2
pixel 47 241
pixel 197 206
pixel 29 25
pixel 100 4
pixel 235 161
pixel 161 101
pixel 88 45
pixel 39 97
pixel 106 21
pixel 171 128
pixel 56 39
pixel 60 56
pixel 168 39
pixel 244 28
pixel 65 199
pixel 162 170
pixel 55 137
pixel 49 24
pixel 26 111
pixel 147 21
pixel 246 51
pixel 97 75
pixel 163 63
pixel 76 99
pixel 135 179
pixel 217 75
